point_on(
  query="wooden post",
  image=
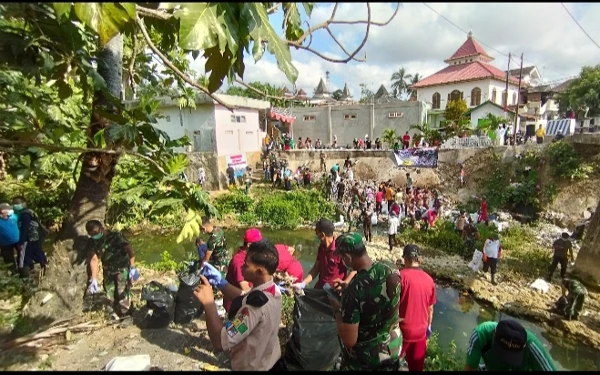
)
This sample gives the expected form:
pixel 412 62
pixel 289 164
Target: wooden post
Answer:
pixel 518 102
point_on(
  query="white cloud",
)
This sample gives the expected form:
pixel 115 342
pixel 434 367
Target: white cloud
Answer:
pixel 419 40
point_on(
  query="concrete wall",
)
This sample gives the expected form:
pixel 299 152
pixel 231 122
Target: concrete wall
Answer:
pixel 208 160
pixel 355 121
pixel 198 124
pixel 234 137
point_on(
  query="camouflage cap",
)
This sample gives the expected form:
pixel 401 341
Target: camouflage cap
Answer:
pixel 349 243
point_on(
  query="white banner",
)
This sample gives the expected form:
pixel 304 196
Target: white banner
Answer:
pixel 238 162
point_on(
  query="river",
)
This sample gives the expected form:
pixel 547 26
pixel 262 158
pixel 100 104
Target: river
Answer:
pixel 455 314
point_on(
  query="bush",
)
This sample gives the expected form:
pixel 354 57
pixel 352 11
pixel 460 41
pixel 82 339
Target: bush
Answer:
pixel 311 204
pixel 235 202
pixel 278 213
pixel 249 218
pixel 440 359
pixel 442 237
pixel 565 162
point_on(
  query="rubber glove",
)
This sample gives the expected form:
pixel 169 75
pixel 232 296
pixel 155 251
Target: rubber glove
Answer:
pixel 298 286
pixel 282 289
pixel 93 288
pixel 429 332
pixel 213 276
pixel 134 274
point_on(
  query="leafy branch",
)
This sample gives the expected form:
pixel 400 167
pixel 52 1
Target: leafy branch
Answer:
pixel 61 148
pixel 172 66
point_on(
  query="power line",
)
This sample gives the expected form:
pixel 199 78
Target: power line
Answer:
pixel 582 29
pixel 487 45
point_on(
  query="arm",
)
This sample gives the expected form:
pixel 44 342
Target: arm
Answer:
pixel 231 292
pixel 24 228
pixel 131 254
pixel 349 277
pixel 313 273
pixel 348 317
pixel 541 359
pixel 214 325
pixel 93 259
pixel 473 352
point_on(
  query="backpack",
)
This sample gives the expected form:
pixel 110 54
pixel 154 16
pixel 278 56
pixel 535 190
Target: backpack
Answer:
pixel 36 230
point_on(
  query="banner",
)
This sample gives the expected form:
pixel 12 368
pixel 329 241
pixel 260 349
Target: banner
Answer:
pixel 417 157
pixel 238 162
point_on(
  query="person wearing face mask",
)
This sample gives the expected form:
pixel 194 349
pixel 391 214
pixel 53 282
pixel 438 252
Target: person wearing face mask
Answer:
pixel 367 314
pixel 216 252
pixel 9 237
pixel 328 266
pixel 251 331
pixel 31 237
pixel 118 266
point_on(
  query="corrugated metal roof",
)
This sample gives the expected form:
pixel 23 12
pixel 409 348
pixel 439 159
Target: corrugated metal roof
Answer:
pixel 463 72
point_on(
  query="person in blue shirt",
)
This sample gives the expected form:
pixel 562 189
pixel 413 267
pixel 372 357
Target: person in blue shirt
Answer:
pixel 201 246
pixel 9 237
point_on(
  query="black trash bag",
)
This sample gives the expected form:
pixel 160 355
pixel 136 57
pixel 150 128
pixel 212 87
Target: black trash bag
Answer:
pixel 561 305
pixel 160 303
pixel 314 345
pixel 187 307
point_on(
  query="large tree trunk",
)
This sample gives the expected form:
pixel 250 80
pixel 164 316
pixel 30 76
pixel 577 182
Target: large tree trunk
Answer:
pixel 587 265
pixel 66 278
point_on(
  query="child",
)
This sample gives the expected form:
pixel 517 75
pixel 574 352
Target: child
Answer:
pixel 461 177
pixel 393 225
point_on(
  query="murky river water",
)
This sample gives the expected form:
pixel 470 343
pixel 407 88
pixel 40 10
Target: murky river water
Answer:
pixel 455 314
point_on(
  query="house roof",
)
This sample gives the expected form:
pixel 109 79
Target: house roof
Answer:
pixel 382 92
pixel 563 86
pixel 526 70
pixel 346 92
pixel 321 90
pixel 487 102
pixel 463 72
pixel 469 48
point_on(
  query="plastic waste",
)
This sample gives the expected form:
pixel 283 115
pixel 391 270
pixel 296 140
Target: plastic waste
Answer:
pixel 187 307
pixel 540 285
pixel 314 344
pixel 477 262
pixel 130 363
pixel 374 219
pixel 160 302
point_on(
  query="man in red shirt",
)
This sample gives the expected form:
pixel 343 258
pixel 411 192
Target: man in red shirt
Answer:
pixel 417 298
pixel 328 266
pixel 234 271
pixel 287 263
pixel 405 141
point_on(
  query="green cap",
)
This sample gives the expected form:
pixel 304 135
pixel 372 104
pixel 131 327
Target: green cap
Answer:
pixel 349 243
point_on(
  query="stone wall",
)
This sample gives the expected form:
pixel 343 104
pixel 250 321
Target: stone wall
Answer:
pixel 215 167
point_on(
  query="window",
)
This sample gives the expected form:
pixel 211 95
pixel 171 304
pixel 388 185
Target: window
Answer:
pixel 350 117
pixel 435 100
pixel 249 133
pixel 514 98
pixel 494 95
pixel 168 118
pixel 475 97
pixel 310 117
pixel 455 95
pixel 504 98
pixel 229 132
pixel 238 119
pixel 395 114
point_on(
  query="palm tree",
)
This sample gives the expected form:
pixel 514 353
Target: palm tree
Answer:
pixel 390 137
pixel 399 79
pixel 490 126
pixel 416 78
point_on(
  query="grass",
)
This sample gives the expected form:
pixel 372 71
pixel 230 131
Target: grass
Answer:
pixel 439 358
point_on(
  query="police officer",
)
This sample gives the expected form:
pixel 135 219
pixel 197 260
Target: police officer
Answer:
pixel 250 333
pixel 575 298
pixel 118 266
pixel 367 315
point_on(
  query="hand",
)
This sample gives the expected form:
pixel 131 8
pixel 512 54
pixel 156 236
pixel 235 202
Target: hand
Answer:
pixel 299 286
pixel 429 332
pixel 93 288
pixel 134 274
pixel 213 276
pixel 204 292
pixel 339 285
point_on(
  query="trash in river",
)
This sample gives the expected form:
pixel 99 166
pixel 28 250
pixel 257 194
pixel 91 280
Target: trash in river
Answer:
pixel 540 285
pixel 477 262
pixel 130 363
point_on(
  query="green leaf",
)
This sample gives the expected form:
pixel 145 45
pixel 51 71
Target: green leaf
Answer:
pixel 201 26
pixel 130 9
pixel 293 29
pixel 106 19
pixel 191 228
pixel 160 203
pixel 64 90
pixel 308 8
pixel 61 9
pixel 262 31
pixel 218 65
pixel 176 164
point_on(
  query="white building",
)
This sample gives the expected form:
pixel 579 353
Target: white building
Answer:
pixel 468 76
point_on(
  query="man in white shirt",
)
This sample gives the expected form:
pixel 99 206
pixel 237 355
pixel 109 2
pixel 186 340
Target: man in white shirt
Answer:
pixel 491 254
pixel 393 225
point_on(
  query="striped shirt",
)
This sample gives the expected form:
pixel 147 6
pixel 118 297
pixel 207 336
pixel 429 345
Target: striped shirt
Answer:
pixel 536 357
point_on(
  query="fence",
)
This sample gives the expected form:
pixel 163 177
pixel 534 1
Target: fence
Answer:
pixel 468 142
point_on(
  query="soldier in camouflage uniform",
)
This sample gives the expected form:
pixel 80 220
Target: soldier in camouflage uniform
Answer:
pixel 369 310
pixel 216 252
pixel 118 265
pixel 575 298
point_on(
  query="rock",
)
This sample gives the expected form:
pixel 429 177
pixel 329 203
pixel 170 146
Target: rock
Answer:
pixel 102 354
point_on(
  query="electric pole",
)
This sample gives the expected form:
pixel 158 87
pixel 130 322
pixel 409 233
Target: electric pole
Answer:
pixel 505 98
pixel 518 102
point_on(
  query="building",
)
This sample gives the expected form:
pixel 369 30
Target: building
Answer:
pixel 468 76
pixel 213 128
pixel 529 77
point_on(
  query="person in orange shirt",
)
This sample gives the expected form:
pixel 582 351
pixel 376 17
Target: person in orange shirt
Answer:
pixel 389 196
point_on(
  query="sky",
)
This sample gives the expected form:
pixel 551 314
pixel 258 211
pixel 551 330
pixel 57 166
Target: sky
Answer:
pixel 420 40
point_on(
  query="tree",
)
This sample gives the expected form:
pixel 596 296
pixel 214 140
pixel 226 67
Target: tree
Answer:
pixel 390 137
pixel 262 91
pixel 366 95
pixel 490 124
pixel 399 82
pixel 413 81
pixel 430 135
pixel 587 264
pixel 337 94
pixel 63 67
pixel 583 93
